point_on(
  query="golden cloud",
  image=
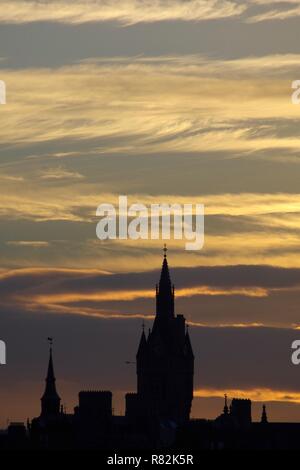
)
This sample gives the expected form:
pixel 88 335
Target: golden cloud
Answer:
pixel 140 106
pixel 123 11
pixel 255 394
pixel 128 12
pixel 273 221
pixel 145 105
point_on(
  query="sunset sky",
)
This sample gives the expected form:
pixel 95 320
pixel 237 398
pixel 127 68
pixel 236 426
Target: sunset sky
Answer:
pixel 184 101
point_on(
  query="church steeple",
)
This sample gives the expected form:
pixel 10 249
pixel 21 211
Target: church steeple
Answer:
pixel 264 418
pixel 50 399
pixel 165 292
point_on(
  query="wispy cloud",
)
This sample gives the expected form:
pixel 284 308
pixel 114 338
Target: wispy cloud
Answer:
pixel 11 178
pixel 138 106
pixel 59 173
pixel 129 295
pixel 275 10
pixel 277 210
pixel 30 244
pixel 128 12
pixel 264 227
pixel 124 11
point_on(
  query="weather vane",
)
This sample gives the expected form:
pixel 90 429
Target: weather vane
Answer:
pixel 50 341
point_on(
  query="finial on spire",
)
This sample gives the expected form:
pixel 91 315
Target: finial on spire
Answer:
pixel 143 326
pixel 165 250
pixel 50 341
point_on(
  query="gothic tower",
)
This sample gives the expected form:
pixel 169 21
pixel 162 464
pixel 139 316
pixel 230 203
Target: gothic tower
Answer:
pixel 50 399
pixel 165 360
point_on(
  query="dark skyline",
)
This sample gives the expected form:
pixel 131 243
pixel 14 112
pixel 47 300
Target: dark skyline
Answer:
pixel 92 368
pixel 188 103
pixel 158 414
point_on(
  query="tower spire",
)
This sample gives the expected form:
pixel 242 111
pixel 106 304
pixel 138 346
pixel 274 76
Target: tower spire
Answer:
pixel 50 399
pixel 164 363
pixel 165 279
pixel 165 291
pixel 264 417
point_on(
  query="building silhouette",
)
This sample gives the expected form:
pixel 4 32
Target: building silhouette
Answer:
pixel 164 362
pixel 158 415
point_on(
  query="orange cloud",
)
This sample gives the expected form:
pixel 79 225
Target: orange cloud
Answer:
pixel 255 394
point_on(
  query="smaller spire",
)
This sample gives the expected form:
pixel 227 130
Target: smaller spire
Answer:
pixel 143 344
pixel 225 405
pixel 264 417
pixel 50 399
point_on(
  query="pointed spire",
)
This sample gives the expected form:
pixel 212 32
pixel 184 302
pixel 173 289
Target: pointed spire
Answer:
pixel 226 410
pixel 165 280
pixel 50 399
pixel 143 342
pixel 264 417
pixel 50 380
pixel 165 291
